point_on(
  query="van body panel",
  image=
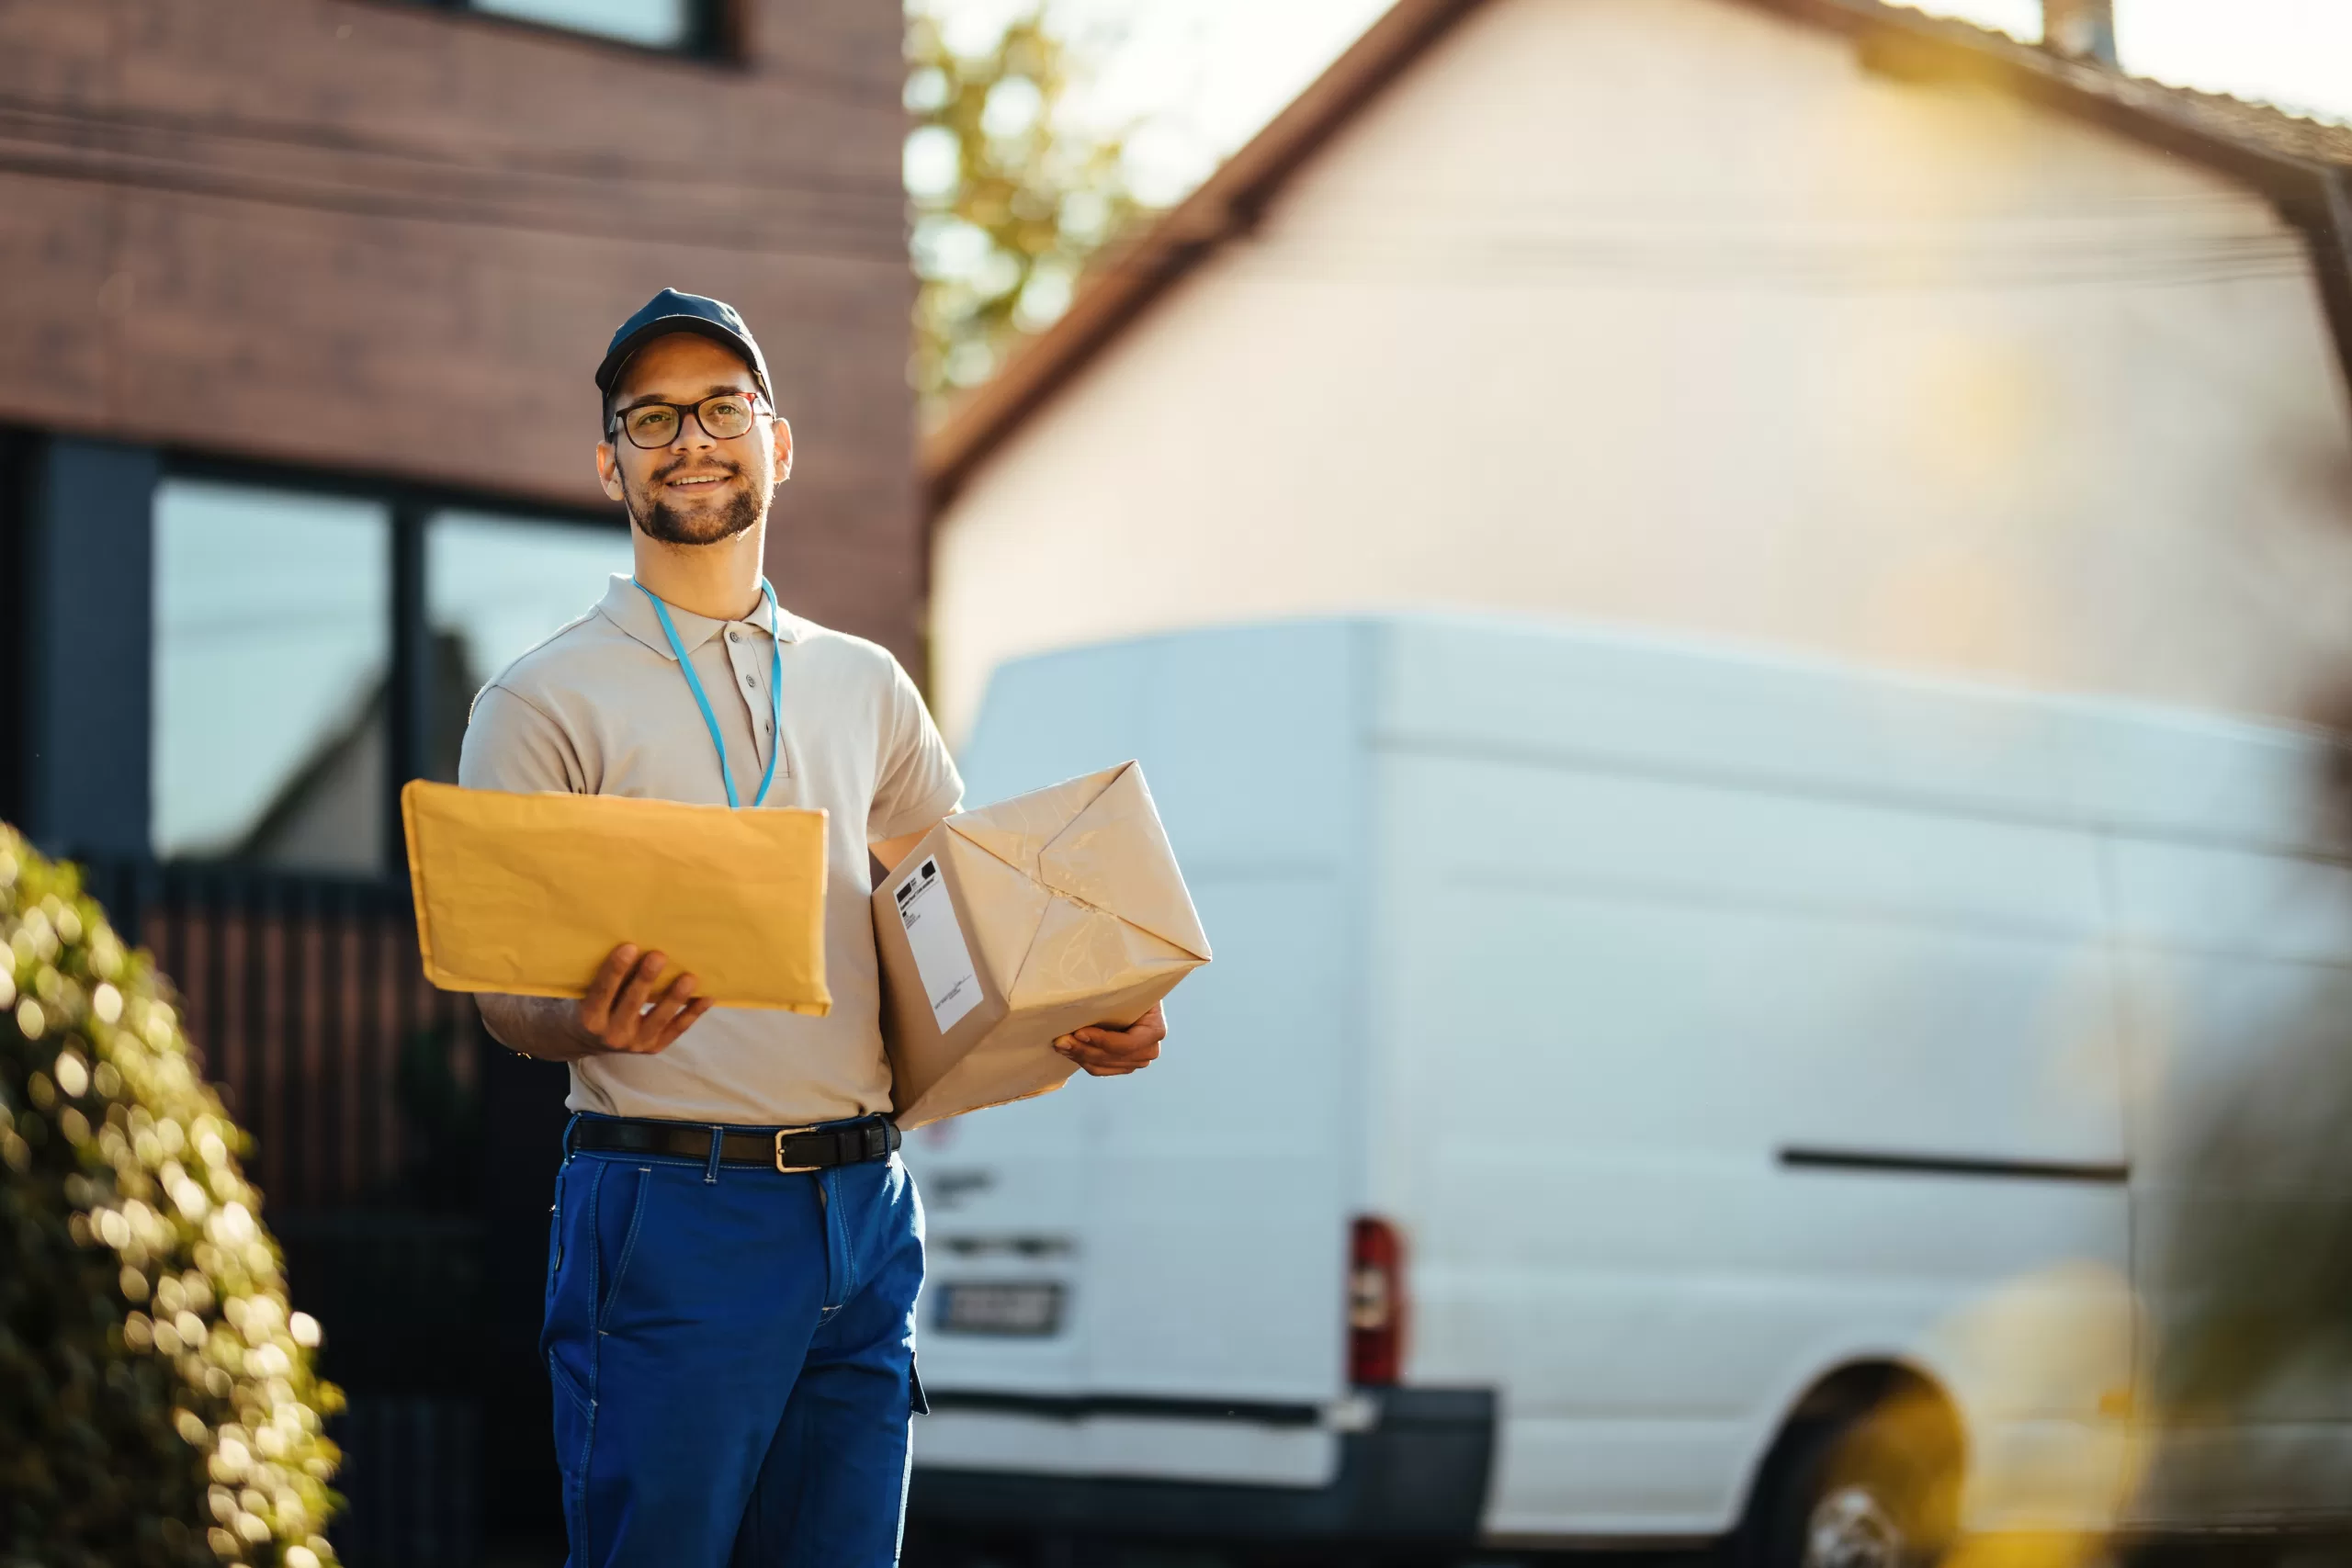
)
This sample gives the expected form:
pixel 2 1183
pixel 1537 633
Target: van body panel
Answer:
pixel 1623 699
pixel 1648 1264
pixel 1218 1215
pixel 1707 1021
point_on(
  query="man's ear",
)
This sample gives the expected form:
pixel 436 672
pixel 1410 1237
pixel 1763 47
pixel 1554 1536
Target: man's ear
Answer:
pixel 782 449
pixel 608 470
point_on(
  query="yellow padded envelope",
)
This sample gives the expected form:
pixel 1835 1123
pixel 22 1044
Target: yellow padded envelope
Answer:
pixel 527 894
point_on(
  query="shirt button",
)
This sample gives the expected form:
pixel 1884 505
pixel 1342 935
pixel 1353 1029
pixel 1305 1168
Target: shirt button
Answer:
pixel 749 682
pixel 734 636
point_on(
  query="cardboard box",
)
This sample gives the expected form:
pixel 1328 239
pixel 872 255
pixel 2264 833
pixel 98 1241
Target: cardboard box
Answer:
pixel 1010 926
pixel 527 894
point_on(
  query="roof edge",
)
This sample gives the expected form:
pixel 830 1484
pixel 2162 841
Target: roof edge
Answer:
pixel 2330 229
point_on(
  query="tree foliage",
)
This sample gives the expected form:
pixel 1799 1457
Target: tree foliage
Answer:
pixel 157 1403
pixel 1012 192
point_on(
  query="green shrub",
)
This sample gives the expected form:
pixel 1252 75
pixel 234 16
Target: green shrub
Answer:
pixel 157 1402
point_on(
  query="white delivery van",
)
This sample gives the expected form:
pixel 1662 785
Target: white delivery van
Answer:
pixel 1643 1093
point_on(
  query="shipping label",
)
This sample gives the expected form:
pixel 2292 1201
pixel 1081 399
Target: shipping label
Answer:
pixel 941 958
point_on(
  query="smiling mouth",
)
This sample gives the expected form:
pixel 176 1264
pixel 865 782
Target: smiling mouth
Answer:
pixel 698 482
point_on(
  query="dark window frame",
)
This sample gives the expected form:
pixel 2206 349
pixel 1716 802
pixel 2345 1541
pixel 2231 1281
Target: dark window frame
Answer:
pixel 413 504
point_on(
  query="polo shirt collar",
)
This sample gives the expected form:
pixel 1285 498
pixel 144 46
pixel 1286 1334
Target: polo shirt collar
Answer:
pixel 626 605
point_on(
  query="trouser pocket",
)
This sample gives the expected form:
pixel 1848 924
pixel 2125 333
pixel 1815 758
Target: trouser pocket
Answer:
pixel 620 1213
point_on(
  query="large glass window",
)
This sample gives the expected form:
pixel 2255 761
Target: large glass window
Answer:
pixel 273 639
pixel 659 24
pixel 494 588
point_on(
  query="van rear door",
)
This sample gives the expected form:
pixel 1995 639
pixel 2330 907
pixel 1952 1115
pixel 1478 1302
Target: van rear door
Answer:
pixel 1146 1276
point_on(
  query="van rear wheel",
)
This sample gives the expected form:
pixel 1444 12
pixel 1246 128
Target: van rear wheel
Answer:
pixel 1879 1489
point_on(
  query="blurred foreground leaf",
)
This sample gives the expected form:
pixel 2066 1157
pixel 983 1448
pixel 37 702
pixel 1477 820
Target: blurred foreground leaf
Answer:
pixel 157 1402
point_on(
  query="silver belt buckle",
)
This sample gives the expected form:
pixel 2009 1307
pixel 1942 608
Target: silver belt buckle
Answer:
pixel 782 1134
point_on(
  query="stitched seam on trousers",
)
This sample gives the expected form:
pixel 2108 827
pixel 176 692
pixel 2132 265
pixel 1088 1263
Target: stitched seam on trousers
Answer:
pixel 846 1286
pixel 629 1244
pixel 587 1466
pixel 849 1256
pixel 596 1354
pixel 592 1232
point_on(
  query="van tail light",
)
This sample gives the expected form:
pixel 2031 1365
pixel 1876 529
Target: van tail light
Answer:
pixel 1375 1303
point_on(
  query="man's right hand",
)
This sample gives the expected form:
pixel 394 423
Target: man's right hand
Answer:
pixel 628 1008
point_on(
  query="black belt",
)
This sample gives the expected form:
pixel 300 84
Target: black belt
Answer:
pixel 786 1149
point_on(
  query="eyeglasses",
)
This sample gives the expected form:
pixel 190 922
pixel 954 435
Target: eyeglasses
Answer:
pixel 652 426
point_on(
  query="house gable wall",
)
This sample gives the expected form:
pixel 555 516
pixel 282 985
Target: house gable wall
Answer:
pixel 1669 311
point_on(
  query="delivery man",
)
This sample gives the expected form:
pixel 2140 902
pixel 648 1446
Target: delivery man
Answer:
pixel 736 1246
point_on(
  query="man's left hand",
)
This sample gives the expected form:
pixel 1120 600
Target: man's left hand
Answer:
pixel 1108 1052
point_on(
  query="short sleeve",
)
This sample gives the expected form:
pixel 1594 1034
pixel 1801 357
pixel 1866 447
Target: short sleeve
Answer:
pixel 917 782
pixel 511 745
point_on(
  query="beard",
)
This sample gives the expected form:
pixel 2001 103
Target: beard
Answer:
pixel 696 526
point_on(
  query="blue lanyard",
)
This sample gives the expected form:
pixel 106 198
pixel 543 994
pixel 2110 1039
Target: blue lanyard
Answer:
pixel 776 693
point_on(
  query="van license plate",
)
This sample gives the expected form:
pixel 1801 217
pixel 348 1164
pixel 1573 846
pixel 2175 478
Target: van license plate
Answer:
pixel 1002 1307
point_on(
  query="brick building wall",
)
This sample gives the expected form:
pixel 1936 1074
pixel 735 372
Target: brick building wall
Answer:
pixel 390 239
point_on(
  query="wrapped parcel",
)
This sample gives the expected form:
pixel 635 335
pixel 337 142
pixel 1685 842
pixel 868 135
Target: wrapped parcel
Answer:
pixel 1013 924
pixel 527 894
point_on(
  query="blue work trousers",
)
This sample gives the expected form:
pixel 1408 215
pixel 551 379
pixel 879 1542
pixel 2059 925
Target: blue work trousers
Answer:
pixel 732 1351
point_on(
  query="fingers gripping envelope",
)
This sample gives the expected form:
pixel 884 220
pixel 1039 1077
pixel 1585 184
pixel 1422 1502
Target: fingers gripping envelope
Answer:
pixel 1013 924
pixel 525 893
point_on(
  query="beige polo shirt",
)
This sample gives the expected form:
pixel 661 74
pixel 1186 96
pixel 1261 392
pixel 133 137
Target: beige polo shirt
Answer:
pixel 602 708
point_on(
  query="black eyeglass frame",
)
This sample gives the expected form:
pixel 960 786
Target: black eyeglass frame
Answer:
pixel 615 423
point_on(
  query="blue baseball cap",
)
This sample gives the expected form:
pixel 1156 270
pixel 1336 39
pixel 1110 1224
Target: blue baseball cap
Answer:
pixel 671 312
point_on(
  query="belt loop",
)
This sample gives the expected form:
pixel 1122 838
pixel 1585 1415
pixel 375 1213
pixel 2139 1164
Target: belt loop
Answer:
pixel 710 1171
pixel 570 1123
